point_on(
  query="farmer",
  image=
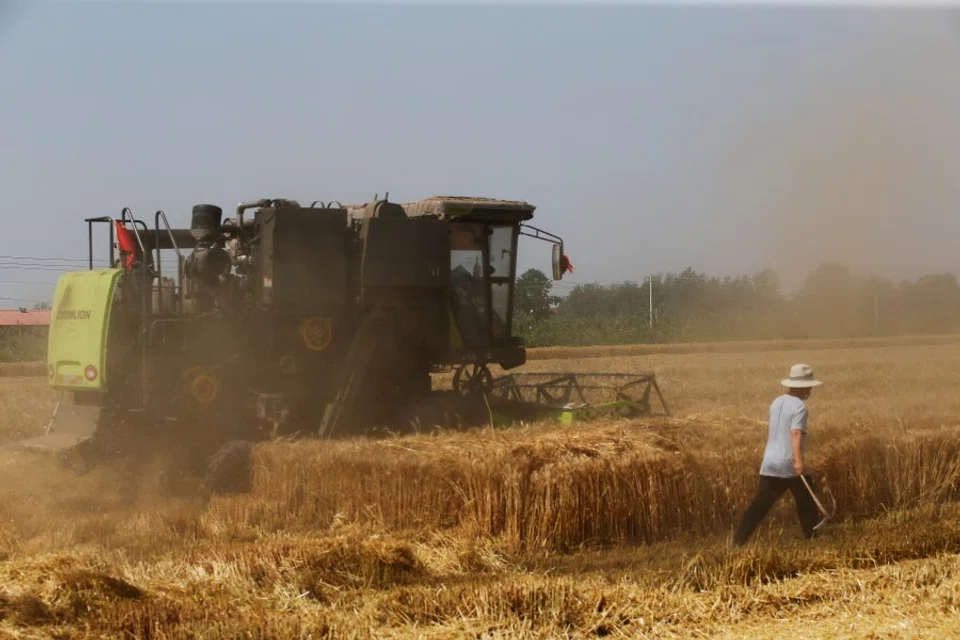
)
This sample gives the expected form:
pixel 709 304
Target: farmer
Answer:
pixel 783 461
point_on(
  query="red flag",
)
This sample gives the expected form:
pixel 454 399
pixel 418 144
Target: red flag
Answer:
pixel 126 244
pixel 565 264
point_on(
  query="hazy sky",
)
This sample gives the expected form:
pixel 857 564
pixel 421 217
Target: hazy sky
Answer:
pixel 728 139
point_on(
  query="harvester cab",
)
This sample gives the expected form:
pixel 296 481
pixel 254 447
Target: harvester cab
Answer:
pixel 322 320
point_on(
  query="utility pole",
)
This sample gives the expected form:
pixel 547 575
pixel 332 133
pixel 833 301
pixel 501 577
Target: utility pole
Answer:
pixel 651 300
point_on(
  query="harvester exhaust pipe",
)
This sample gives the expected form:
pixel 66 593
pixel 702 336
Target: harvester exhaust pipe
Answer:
pixel 243 206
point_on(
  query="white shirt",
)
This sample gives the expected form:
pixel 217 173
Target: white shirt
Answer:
pixel 787 414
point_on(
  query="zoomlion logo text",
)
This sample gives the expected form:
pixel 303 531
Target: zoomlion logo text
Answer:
pixel 74 314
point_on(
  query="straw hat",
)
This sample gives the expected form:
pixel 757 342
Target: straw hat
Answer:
pixel 801 377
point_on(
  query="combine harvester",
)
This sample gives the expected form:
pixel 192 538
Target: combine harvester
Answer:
pixel 321 321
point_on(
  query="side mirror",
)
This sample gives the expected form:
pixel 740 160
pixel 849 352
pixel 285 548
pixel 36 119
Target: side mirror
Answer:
pixel 561 264
pixel 558 262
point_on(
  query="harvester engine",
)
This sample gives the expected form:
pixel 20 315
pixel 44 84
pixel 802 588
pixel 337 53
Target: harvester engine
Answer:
pixel 207 268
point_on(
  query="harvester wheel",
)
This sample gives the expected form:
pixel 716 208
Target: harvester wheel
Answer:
pixel 472 379
pixel 230 469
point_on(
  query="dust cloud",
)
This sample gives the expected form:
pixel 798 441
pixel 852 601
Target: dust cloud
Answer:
pixel 861 171
pixel 45 506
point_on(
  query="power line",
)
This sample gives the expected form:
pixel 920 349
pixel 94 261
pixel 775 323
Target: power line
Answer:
pixel 21 299
pixel 42 269
pixel 28 281
pixel 50 264
pixel 47 265
pixel 43 258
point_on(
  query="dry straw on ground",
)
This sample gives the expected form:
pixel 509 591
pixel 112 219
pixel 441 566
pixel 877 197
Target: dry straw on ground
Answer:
pixel 618 528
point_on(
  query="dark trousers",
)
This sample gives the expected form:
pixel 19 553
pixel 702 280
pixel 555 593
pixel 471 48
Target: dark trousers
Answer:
pixel 768 492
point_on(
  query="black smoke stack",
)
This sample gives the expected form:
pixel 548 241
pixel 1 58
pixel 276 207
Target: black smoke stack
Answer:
pixel 205 224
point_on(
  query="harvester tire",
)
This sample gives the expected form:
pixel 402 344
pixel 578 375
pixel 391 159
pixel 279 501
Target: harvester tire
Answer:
pixel 230 469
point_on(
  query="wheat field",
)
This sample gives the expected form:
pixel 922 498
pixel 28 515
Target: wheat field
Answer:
pixel 615 528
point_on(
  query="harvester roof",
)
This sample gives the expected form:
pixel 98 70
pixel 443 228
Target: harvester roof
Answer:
pixel 461 208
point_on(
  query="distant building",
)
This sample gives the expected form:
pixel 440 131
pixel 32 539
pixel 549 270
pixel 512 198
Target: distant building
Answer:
pixel 23 335
pixel 24 318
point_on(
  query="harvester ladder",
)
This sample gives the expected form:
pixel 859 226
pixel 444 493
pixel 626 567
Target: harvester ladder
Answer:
pixel 160 215
pixel 144 303
pixel 359 363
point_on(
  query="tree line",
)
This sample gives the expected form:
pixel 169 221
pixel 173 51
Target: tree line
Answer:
pixel 833 302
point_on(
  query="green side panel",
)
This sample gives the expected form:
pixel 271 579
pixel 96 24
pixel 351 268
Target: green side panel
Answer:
pixel 568 416
pixel 79 321
pixel 505 417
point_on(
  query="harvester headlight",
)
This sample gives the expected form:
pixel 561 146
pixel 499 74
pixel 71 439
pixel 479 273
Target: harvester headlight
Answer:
pixel 317 332
pixel 90 373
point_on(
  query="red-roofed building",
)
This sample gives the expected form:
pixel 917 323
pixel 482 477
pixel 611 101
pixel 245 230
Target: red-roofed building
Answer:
pixel 23 334
pixel 29 318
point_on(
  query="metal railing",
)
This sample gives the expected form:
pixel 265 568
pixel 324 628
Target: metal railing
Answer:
pixel 160 215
